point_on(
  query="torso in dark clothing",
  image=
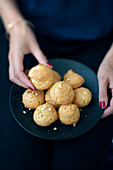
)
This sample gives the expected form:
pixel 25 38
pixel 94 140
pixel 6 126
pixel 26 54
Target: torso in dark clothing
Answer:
pixel 70 19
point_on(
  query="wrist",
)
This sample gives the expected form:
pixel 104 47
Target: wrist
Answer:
pixel 18 25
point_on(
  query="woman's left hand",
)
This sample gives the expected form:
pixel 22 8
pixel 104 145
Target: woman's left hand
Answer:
pixel 105 80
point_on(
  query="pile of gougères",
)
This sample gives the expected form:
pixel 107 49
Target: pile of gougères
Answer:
pixel 54 98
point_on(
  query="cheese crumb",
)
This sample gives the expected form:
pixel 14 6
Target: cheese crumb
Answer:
pixel 55 128
pixel 43 84
pixel 24 112
pixel 74 124
pixel 68 79
pixel 44 107
pixel 59 85
pixel 49 109
pixel 69 107
pixel 36 94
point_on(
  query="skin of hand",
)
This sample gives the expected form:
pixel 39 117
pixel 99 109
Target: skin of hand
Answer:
pixel 23 41
pixel 105 80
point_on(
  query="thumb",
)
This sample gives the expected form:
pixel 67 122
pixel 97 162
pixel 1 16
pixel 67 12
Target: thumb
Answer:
pixel 103 98
pixel 38 54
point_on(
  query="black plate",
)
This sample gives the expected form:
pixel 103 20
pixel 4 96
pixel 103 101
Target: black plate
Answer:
pixel 90 115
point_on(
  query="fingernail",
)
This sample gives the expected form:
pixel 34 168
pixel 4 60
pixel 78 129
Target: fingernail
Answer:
pixel 30 88
pixel 102 105
pixel 49 64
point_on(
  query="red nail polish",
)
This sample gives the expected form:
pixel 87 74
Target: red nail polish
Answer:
pixel 49 64
pixel 102 105
pixel 30 88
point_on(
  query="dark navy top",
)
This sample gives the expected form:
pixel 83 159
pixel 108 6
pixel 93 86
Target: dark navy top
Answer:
pixel 70 19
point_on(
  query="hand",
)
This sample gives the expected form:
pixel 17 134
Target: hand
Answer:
pixel 23 41
pixel 105 79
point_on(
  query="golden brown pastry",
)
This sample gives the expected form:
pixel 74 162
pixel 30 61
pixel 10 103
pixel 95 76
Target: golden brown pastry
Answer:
pixel 56 77
pixel 69 114
pixel 32 99
pixel 41 76
pixel 62 93
pixel 45 114
pixel 49 100
pixel 74 79
pixel 82 96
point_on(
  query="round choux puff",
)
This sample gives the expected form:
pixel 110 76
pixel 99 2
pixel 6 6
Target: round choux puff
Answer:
pixel 69 114
pixel 82 96
pixel 41 76
pixel 49 100
pixel 32 99
pixel 74 79
pixel 45 115
pixel 56 77
pixel 62 93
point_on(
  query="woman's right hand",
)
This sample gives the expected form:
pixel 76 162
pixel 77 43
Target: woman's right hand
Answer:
pixel 23 41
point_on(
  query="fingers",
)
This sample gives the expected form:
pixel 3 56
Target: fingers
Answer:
pixel 16 73
pixel 14 79
pixel 109 110
pixel 103 98
pixel 105 79
pixel 24 79
pixel 42 59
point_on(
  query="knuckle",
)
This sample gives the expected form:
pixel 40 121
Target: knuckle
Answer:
pixel 13 51
pixel 11 54
pixel 111 83
pixel 111 86
pixel 44 57
pixel 102 94
pixel 103 81
pixel 9 57
pixel 17 74
pixel 12 78
pixel 101 78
